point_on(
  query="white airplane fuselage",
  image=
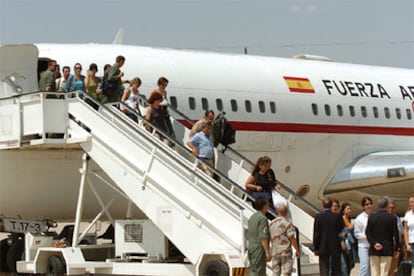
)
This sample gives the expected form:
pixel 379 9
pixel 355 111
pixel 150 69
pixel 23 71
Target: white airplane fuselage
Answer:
pixel 313 118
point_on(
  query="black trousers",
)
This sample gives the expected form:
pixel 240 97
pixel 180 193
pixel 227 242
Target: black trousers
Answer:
pixel 330 264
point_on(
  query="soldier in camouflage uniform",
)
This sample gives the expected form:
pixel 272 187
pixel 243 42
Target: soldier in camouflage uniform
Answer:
pixel 282 234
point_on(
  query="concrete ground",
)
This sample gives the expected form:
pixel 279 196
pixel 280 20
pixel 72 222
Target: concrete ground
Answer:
pixel 355 271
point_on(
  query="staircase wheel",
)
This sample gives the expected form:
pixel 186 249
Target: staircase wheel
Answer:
pixel 14 254
pixel 216 267
pixel 4 248
pixel 55 266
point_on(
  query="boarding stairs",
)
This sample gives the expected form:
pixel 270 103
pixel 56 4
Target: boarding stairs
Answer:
pixel 199 215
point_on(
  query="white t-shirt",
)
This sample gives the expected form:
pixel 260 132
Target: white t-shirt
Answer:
pixel 132 100
pixel 360 225
pixel 409 219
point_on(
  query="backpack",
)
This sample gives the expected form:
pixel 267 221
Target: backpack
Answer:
pixel 223 132
pixel 107 86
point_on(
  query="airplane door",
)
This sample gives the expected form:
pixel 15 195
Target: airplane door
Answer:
pixel 18 65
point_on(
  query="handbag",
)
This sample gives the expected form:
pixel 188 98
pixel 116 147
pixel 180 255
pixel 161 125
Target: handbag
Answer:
pixel 259 194
pixel 343 246
pixel 278 200
pixel 404 268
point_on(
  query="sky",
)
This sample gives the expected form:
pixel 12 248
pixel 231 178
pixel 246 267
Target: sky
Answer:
pixel 375 32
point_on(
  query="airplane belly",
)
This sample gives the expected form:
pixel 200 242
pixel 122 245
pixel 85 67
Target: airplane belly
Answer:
pixel 377 174
pixel 40 183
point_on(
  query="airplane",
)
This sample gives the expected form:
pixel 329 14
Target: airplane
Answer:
pixel 343 130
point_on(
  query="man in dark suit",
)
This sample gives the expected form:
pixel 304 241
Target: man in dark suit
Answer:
pixel 326 240
pixel 383 238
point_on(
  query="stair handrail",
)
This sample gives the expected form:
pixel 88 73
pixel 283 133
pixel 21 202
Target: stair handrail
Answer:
pixel 32 93
pixel 120 115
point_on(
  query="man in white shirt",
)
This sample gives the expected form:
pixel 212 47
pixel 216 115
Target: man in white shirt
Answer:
pixel 61 82
pixel 409 229
pixel 360 226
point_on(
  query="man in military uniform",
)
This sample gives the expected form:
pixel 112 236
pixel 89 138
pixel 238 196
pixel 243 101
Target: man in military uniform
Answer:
pixel 115 77
pixel 258 238
pixel 282 235
pixel 47 78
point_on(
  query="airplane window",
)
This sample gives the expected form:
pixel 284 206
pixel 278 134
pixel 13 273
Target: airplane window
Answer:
pixel 219 104
pixel 248 106
pixel 375 110
pixel 315 109
pixel 409 115
pixel 339 110
pixel 327 110
pixel 364 111
pixel 387 112
pixel 352 110
pixel 204 103
pixel 192 103
pixel 398 113
pixel 233 105
pixel 262 107
pixel 272 107
pixel 173 101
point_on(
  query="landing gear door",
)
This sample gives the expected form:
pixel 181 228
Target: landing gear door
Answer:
pixel 18 67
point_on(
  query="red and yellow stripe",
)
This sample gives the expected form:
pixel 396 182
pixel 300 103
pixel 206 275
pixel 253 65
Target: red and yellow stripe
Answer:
pixel 301 85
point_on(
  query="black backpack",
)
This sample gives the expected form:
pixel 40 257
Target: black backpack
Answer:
pixel 107 86
pixel 223 132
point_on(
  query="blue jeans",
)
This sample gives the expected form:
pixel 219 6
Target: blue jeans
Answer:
pixel 412 255
pixel 364 269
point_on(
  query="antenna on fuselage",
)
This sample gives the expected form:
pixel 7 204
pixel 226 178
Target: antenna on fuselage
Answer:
pixel 119 37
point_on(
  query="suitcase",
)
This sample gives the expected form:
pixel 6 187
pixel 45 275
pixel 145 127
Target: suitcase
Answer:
pixel 404 269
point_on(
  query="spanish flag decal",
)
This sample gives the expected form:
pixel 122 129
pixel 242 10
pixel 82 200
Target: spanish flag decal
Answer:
pixel 300 85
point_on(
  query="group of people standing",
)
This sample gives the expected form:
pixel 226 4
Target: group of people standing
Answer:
pixel 382 238
pixel 110 88
pixel 103 89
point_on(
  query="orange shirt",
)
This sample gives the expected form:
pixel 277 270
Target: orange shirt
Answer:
pixel 347 222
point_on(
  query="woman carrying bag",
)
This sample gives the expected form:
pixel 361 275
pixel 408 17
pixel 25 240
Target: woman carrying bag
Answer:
pixel 262 181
